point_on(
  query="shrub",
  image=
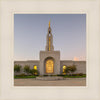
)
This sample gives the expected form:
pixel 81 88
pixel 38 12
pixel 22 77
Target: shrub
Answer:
pixel 21 75
pixel 73 68
pixel 80 74
pixel 17 68
pixel 70 69
pixel 27 69
pixel 60 75
pixel 54 75
pixel 67 70
pixel 33 71
pixel 45 75
pixel 74 74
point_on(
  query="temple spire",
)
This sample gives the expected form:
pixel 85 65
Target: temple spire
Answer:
pixel 49 23
pixel 49 42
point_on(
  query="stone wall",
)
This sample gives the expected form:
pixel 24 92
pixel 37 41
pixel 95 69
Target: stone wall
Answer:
pixel 81 66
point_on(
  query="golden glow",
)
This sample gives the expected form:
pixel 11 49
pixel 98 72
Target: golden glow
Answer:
pixel 35 67
pixel 49 66
pixel 76 59
pixel 49 43
pixel 64 67
pixel 49 23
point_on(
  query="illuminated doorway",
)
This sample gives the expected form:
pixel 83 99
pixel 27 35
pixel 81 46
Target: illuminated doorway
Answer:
pixel 49 66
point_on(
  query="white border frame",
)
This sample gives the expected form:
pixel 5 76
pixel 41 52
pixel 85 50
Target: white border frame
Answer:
pixel 8 91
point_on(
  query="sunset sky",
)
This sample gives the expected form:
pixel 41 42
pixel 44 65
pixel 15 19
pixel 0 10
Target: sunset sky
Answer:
pixel 68 30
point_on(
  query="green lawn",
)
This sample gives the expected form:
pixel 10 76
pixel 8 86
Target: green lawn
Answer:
pixel 67 76
pixel 24 77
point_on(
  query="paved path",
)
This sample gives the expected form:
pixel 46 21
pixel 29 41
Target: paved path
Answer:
pixel 66 82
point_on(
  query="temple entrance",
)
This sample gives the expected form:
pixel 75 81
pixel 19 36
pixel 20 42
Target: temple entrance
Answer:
pixel 49 65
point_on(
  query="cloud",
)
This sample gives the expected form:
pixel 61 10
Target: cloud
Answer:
pixel 76 59
pixel 81 58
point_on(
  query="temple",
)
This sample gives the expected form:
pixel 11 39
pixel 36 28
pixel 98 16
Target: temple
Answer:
pixel 50 63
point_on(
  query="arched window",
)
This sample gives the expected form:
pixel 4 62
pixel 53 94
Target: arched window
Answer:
pixel 35 67
pixel 64 67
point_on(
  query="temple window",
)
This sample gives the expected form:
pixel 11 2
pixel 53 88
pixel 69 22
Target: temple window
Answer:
pixel 64 67
pixel 35 67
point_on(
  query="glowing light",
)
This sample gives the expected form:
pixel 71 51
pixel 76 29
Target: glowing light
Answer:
pixel 35 67
pixel 64 67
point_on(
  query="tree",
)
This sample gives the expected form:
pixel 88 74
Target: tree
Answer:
pixel 66 70
pixel 17 68
pixel 70 69
pixel 73 68
pixel 27 69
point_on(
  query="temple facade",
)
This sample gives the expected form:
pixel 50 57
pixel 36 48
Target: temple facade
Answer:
pixel 50 63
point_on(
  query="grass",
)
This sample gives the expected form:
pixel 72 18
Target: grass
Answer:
pixel 67 76
pixel 31 76
pixel 17 77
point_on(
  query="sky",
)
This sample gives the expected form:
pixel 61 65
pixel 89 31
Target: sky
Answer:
pixel 68 30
